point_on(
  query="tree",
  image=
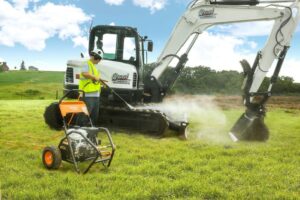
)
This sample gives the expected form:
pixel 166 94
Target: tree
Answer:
pixel 1 67
pixel 22 66
pixel 204 80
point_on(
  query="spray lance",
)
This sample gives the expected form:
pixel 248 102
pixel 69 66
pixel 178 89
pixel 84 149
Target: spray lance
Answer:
pixel 113 91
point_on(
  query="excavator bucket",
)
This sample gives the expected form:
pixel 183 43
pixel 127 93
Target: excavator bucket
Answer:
pixel 249 127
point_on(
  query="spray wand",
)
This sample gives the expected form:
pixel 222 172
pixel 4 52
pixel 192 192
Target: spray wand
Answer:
pixel 113 91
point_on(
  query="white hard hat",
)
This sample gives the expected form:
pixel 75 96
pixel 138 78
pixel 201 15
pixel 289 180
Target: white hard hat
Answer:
pixel 97 53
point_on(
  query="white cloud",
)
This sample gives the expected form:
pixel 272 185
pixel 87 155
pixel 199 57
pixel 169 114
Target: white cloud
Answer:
pixel 262 28
pixel 252 44
pixel 220 52
pixel 291 68
pixel 32 28
pixel 22 4
pixel 81 41
pixel 114 2
pixel 153 5
pixel 1 59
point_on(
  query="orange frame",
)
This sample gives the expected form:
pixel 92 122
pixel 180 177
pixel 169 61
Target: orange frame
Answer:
pixel 73 107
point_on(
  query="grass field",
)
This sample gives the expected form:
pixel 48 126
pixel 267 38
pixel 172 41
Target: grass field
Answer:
pixel 30 85
pixel 206 166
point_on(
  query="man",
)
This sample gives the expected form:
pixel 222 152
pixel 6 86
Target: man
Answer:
pixel 90 83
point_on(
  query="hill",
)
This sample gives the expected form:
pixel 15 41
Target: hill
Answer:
pixel 197 80
pixel 30 84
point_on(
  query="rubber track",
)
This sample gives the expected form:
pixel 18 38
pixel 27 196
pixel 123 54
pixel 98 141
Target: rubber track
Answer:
pixel 149 121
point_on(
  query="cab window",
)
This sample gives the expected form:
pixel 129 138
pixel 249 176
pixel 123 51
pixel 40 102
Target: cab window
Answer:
pixel 129 49
pixel 108 44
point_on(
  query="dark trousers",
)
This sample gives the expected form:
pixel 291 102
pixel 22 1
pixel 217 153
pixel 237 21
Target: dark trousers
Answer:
pixel 92 104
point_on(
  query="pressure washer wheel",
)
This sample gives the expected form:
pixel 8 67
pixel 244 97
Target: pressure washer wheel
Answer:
pixel 51 157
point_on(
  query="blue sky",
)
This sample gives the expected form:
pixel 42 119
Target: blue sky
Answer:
pixel 48 33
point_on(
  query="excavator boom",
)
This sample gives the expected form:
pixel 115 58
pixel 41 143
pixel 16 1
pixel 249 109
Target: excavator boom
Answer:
pixel 202 14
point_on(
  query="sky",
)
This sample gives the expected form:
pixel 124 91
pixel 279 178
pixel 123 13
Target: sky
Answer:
pixel 46 34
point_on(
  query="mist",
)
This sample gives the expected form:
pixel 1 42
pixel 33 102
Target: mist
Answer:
pixel 206 120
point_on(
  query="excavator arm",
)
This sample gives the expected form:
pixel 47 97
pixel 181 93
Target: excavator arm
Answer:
pixel 202 14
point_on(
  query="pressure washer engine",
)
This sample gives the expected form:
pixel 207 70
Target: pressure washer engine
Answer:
pixel 82 149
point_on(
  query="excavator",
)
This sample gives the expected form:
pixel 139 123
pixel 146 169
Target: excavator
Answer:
pixel 125 54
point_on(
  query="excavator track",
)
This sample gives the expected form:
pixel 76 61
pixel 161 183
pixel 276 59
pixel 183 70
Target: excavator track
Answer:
pixel 141 120
pixel 149 121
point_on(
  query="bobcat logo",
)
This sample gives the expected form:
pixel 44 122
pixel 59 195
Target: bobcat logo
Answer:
pixel 207 12
pixel 120 79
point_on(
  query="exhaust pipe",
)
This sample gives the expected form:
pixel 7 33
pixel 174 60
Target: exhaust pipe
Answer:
pixel 250 126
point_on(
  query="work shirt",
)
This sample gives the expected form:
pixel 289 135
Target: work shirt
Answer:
pixel 84 69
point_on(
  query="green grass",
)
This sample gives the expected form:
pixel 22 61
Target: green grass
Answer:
pixel 30 85
pixel 207 166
